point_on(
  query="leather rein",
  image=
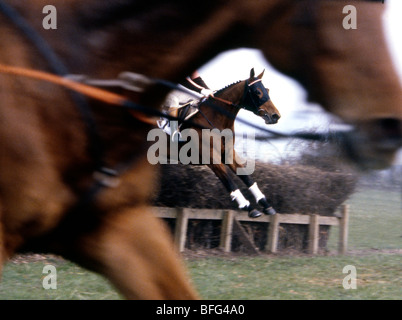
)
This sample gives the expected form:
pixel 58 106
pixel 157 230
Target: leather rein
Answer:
pixel 90 91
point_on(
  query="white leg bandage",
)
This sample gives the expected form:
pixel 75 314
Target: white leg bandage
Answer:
pixel 238 196
pixel 258 195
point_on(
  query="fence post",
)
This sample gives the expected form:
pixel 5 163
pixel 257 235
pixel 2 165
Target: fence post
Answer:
pixel 180 231
pixel 273 232
pixel 313 234
pixel 226 230
pixel 343 230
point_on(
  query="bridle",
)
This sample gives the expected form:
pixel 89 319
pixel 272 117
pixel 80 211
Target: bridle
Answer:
pixel 252 101
pixel 86 90
pixel 249 100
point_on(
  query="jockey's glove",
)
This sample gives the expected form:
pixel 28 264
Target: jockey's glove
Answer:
pixel 207 92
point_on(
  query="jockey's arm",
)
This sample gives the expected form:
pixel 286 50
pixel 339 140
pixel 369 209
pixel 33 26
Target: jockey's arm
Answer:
pixel 197 84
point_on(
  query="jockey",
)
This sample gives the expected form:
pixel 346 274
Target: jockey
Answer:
pixel 175 98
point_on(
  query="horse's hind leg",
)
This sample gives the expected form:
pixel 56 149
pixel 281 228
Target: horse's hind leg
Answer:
pixel 134 250
pixel 235 193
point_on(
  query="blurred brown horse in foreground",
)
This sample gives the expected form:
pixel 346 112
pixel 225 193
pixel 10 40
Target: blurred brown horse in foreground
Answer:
pixel 49 200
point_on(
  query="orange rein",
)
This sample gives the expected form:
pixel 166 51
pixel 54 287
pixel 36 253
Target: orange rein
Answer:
pixel 89 91
pixel 223 100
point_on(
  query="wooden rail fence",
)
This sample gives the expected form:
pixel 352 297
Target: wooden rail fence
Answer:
pixel 230 223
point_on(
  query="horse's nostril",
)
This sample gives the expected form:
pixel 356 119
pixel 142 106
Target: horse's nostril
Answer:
pixel 275 117
pixel 390 128
pixel 387 132
pixel 390 123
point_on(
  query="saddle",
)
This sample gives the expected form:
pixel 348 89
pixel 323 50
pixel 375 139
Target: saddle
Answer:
pixel 181 112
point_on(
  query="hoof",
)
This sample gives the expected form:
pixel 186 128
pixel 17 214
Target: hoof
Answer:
pixel 269 211
pixel 254 213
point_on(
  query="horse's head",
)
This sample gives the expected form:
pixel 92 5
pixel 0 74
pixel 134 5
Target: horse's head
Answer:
pixel 348 71
pixel 256 99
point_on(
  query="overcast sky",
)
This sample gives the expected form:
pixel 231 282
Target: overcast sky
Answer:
pixel 288 96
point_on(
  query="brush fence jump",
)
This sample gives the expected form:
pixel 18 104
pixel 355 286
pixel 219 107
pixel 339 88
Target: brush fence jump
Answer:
pixel 231 218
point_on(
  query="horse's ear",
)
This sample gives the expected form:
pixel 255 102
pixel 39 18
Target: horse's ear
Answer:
pixel 261 74
pixel 252 73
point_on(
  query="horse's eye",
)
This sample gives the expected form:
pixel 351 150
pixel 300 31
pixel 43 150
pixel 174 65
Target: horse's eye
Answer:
pixel 259 93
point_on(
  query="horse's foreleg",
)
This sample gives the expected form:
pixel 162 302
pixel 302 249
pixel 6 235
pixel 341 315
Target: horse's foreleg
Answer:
pixel 260 198
pixel 134 250
pixel 2 248
pixel 235 193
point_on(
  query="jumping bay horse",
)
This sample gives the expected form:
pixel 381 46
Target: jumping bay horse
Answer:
pixel 58 186
pixel 249 94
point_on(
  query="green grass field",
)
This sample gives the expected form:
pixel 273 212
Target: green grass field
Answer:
pixel 375 221
pixel 375 242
